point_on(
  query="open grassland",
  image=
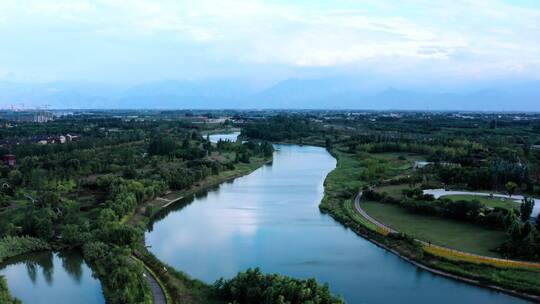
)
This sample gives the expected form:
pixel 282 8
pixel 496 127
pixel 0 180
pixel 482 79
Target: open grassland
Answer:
pixel 444 232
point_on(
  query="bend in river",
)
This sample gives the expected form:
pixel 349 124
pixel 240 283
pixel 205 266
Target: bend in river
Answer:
pixel 270 219
pixel 47 277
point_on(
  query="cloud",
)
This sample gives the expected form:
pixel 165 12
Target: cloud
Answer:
pixel 456 36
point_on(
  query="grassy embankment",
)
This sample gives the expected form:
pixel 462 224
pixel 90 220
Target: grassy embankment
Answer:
pixel 178 285
pixel 354 171
pixel 150 208
pixel 462 236
pixel 458 235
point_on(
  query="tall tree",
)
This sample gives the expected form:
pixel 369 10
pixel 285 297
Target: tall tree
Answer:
pixel 511 188
pixel 526 208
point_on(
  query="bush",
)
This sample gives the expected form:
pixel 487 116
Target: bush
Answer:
pixel 253 287
pixel 121 277
pixel 5 297
pixel 12 246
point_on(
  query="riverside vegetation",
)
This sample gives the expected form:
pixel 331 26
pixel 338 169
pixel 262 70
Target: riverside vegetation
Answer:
pixel 377 152
pixel 95 194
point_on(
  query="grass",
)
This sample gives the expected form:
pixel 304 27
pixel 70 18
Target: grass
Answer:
pixel 487 201
pixel 349 176
pixel 444 232
pixel 525 280
pixel 179 287
pixel 351 211
pixel 394 191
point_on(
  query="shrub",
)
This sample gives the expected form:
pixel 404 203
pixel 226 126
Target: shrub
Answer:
pixel 5 297
pixel 12 246
pixel 252 287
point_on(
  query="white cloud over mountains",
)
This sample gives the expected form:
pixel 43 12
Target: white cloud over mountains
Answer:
pixel 143 39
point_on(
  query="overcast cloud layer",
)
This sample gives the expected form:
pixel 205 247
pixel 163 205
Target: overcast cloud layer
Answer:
pixel 394 43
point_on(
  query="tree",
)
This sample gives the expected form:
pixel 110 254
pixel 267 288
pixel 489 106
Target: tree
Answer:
pixel 161 145
pixel 328 143
pixel 526 208
pixel 511 188
pixel 5 297
pixel 15 178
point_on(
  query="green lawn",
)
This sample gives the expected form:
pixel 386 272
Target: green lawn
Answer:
pixel 398 164
pixel 488 201
pixel 394 191
pixel 453 234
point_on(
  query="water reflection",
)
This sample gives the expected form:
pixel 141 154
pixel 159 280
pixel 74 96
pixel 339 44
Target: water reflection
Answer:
pixel 47 277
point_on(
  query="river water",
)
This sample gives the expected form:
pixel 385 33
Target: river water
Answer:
pixel 271 219
pixel 51 278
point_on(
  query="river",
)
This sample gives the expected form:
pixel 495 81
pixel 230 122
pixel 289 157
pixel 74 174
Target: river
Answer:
pixel 47 277
pixel 271 219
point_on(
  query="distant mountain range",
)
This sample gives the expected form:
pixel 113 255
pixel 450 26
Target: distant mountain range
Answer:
pixel 325 93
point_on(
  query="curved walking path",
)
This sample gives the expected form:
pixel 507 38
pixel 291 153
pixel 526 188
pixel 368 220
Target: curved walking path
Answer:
pixel 158 294
pixel 157 291
pixel 445 251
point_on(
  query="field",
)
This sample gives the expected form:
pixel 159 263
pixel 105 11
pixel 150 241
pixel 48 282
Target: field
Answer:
pixel 487 201
pixel 453 234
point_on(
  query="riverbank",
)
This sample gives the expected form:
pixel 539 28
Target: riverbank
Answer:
pixel 178 285
pixel 341 185
pixel 148 210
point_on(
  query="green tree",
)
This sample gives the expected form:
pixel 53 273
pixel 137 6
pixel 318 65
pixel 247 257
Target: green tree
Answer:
pixel 161 145
pixel 15 177
pixel 526 209
pixel 511 188
pixel 5 297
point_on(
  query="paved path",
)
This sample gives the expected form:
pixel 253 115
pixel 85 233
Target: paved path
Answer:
pixel 157 292
pixel 359 209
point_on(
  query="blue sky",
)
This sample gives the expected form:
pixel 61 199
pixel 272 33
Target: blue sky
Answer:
pixel 408 43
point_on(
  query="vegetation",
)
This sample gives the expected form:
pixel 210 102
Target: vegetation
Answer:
pixel 467 237
pixel 5 297
pixel 13 246
pixel 252 287
pixel 460 154
pixel 80 194
pixel 490 202
pixel 472 211
pixel 119 275
pixel 96 192
pixel 181 287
